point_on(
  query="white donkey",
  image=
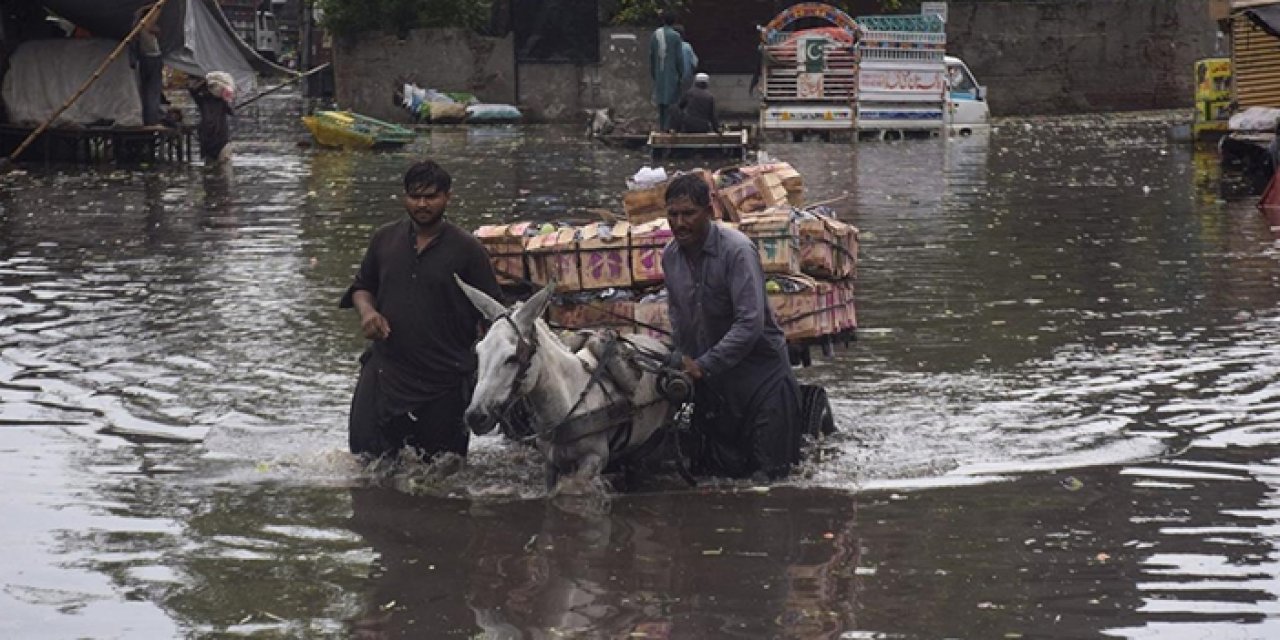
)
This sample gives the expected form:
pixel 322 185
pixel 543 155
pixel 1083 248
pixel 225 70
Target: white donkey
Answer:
pixel 587 407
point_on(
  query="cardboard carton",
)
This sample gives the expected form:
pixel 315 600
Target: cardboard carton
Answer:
pixel 850 254
pixel 755 194
pixel 796 311
pixel 776 239
pixel 845 314
pixel 593 314
pixel 826 306
pixel 605 255
pixel 554 256
pixel 653 318
pixel 647 242
pixel 505 244
pixel 828 247
pixel 741 199
pixel 792 182
pixel 643 205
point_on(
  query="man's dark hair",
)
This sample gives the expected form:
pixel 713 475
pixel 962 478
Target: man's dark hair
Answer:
pixel 426 174
pixel 691 186
pixel 668 17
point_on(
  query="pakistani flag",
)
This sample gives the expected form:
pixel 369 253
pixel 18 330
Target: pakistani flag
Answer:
pixel 814 54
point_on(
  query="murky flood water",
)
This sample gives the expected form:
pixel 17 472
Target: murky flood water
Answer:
pixel 1061 420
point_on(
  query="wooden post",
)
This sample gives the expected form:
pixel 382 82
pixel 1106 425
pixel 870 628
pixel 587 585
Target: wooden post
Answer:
pixel 137 28
pixel 281 86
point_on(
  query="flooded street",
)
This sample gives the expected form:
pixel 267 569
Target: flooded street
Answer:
pixel 1061 418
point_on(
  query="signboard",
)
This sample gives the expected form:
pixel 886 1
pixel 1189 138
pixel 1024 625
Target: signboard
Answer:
pixel 1213 79
pixel 904 80
pixel 770 33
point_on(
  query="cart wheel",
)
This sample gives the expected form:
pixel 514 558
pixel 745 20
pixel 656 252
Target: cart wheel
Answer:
pixel 816 411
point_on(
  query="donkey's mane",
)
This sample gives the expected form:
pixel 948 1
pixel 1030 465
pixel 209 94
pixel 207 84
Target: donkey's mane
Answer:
pixel 548 338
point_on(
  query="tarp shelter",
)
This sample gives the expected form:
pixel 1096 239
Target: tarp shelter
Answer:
pixel 1266 17
pixel 195 38
pixel 194 35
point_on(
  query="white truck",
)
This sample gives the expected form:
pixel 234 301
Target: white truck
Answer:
pixel 256 26
pixel 879 75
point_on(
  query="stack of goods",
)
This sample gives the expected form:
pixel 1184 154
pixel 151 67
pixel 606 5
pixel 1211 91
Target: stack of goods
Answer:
pixel 810 261
pixel 609 274
pixel 429 105
pixel 745 190
pixel 646 196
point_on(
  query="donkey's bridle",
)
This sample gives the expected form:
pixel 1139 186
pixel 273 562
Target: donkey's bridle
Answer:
pixel 525 350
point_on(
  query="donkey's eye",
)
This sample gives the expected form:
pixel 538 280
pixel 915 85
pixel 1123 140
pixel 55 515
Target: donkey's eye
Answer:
pixel 513 360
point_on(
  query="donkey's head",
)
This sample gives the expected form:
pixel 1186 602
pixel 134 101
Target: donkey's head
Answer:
pixel 508 354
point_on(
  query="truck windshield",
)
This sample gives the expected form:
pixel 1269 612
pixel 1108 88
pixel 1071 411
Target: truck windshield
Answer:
pixel 960 80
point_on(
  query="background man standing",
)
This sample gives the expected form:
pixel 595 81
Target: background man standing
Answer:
pixel 146 52
pixel 690 60
pixel 746 399
pixel 417 375
pixel 666 66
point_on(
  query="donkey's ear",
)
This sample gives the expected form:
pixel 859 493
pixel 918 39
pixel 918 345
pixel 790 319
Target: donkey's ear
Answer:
pixel 488 307
pixel 534 307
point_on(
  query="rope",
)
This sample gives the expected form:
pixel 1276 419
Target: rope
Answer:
pixel 596 379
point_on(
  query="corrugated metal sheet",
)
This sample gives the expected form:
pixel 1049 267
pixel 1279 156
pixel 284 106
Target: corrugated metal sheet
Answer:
pixel 1255 60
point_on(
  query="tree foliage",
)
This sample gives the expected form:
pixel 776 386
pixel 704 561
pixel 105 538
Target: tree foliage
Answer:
pixel 349 17
pixel 645 12
pixel 642 12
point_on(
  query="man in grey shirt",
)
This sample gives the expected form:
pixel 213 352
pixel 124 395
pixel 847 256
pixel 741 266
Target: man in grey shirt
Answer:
pixel 746 399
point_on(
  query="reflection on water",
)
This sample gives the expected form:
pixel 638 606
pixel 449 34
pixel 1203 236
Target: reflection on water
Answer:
pixel 1059 419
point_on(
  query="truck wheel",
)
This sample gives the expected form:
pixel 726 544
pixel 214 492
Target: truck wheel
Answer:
pixel 816 411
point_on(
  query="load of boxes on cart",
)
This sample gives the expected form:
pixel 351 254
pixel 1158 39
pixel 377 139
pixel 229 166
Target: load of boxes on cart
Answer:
pixel 609 274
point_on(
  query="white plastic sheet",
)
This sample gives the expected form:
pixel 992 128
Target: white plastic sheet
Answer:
pixel 43 74
pixel 1255 119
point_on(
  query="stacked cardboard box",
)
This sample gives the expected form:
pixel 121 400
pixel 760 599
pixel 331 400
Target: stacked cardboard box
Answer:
pixel 828 247
pixel 587 312
pixel 505 244
pixel 610 274
pixel 647 243
pixel 604 255
pixel 554 257
pixel 774 233
pixel 645 204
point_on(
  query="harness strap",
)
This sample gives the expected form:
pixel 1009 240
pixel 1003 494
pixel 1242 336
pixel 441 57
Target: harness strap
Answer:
pixel 597 379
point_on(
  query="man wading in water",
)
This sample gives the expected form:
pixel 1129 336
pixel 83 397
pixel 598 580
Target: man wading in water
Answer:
pixel 746 399
pixel 417 375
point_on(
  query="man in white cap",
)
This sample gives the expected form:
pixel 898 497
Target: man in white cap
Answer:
pixel 697 109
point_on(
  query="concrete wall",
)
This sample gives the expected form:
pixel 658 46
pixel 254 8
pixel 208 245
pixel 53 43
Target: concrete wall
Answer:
pixel 368 70
pixel 1071 56
pixel 622 80
pixel 1034 56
